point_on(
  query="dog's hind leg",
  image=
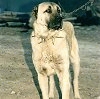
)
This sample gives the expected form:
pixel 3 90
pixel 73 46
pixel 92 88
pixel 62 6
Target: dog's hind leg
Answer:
pixel 51 87
pixel 43 82
pixel 76 69
pixel 75 61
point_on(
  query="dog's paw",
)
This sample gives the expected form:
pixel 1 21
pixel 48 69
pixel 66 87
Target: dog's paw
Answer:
pixel 51 98
pixel 77 97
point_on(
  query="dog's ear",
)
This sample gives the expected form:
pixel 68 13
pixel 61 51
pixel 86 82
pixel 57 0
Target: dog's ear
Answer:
pixel 35 11
pixel 33 16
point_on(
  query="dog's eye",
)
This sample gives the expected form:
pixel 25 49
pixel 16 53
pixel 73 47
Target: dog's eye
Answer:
pixel 48 11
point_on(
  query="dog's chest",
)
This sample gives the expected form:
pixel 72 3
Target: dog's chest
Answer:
pixel 50 51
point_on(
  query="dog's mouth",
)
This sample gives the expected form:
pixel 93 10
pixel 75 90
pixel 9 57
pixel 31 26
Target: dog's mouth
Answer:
pixel 56 23
pixel 55 26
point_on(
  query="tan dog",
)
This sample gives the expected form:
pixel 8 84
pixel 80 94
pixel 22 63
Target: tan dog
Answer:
pixel 54 48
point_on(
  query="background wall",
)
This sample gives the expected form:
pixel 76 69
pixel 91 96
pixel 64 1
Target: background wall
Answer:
pixel 27 5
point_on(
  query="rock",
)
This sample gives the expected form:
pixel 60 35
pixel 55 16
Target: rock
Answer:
pixel 13 92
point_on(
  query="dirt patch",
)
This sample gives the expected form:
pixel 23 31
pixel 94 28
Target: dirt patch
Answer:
pixel 18 78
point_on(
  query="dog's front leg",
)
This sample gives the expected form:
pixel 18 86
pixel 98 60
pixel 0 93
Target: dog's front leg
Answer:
pixel 65 85
pixel 64 82
pixel 43 81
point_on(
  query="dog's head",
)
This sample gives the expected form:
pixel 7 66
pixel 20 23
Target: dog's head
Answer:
pixel 48 14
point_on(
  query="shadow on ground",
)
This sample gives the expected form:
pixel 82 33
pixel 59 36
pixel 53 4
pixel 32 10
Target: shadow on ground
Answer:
pixel 25 37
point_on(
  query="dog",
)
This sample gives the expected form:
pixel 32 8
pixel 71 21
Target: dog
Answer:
pixel 55 48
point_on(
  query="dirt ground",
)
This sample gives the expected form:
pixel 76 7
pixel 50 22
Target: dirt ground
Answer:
pixel 18 78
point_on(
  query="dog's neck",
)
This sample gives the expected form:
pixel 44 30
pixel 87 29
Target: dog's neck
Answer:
pixel 40 29
pixel 43 30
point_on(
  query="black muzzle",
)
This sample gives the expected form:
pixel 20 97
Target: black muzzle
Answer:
pixel 55 23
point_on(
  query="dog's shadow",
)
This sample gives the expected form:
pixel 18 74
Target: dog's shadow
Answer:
pixel 25 38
